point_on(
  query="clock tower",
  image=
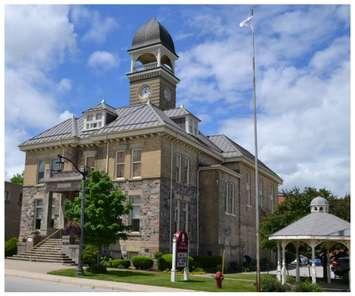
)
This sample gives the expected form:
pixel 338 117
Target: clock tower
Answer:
pixel 152 76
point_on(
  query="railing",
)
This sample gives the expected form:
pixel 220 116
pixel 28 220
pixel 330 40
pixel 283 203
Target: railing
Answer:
pixel 152 65
pixel 58 233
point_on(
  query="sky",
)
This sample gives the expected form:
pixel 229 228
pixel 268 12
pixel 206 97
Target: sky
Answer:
pixel 60 60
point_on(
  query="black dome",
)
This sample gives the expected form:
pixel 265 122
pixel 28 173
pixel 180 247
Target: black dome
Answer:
pixel 153 32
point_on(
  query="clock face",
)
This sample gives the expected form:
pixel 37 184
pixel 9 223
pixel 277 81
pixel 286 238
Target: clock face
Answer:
pixel 167 93
pixel 145 92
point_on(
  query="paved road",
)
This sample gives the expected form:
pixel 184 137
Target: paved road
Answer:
pixel 16 284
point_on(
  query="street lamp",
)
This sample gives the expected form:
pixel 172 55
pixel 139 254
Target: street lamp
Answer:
pixel 84 174
pixel 248 23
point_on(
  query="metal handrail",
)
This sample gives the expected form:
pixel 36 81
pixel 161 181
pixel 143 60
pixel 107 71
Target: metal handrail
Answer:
pixel 43 240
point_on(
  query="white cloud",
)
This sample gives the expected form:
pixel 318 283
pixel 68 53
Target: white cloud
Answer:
pixel 99 26
pixel 303 89
pixel 65 85
pixel 36 40
pixel 102 60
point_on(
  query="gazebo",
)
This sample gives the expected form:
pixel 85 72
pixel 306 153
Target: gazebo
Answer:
pixel 317 227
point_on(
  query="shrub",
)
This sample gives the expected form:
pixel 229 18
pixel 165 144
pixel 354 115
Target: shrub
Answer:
pixel 142 262
pixel 208 263
pixel 120 263
pixel 106 260
pixel 306 286
pixel 269 283
pixel 157 255
pixel 90 257
pixel 11 247
pixel 164 262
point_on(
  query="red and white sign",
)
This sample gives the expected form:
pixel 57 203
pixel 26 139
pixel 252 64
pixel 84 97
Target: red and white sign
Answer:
pixel 182 246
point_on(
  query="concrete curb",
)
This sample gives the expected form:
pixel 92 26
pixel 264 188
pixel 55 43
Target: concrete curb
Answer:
pixel 91 283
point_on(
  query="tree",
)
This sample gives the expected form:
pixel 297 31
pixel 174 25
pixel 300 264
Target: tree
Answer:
pixel 104 206
pixel 295 206
pixel 17 179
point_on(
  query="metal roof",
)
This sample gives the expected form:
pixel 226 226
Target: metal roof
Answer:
pixel 152 32
pixel 179 112
pixel 232 149
pixel 315 224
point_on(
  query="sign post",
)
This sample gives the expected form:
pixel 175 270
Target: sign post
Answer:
pixel 173 262
pixel 180 255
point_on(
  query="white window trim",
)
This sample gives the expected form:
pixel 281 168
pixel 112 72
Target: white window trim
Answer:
pixel 124 165
pixel 132 162
pixel 135 232
pixel 230 195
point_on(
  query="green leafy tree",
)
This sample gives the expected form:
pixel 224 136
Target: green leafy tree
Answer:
pixel 17 179
pixel 105 203
pixel 295 206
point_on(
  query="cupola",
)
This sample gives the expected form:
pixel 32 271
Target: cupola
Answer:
pixel 99 116
pixel 319 205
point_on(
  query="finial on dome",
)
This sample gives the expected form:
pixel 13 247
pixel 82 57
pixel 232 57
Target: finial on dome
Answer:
pixel 102 101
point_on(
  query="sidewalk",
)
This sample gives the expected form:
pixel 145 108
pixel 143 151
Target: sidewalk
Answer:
pixel 38 270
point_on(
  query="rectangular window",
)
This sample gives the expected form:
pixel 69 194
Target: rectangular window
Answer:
pixel 40 171
pixel 248 183
pixel 185 163
pixel 7 196
pixel 38 213
pixel 55 166
pixel 90 162
pixel 136 163
pixel 178 168
pixel 229 198
pixel 135 214
pixel 98 116
pixel 89 117
pixel 120 164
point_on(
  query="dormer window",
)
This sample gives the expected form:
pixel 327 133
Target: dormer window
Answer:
pixel 191 125
pixel 94 120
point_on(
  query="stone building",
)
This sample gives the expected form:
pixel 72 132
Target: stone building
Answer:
pixel 13 201
pixel 176 177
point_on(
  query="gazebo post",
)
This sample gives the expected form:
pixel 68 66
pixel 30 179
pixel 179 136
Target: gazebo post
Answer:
pixel 283 271
pixel 297 262
pixel 328 266
pixel 278 262
pixel 313 246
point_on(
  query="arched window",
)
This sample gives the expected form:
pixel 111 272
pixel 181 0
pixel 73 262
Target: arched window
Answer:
pixel 146 61
pixel 165 62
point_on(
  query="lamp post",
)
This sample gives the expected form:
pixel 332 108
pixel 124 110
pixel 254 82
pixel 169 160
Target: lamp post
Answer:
pixel 248 23
pixel 84 174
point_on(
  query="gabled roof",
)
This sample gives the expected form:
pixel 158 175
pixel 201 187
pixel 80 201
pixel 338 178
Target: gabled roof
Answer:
pixel 315 224
pixel 231 149
pixel 179 112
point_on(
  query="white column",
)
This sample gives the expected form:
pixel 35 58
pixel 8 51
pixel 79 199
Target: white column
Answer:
pixel 278 262
pixel 133 62
pixel 159 57
pixel 328 267
pixel 314 279
pixel 283 270
pixel 297 263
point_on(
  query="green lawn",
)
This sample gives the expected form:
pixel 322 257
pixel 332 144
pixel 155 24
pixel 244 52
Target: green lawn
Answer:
pixel 197 282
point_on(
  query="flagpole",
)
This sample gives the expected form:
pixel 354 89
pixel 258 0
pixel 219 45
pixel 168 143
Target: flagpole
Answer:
pixel 248 22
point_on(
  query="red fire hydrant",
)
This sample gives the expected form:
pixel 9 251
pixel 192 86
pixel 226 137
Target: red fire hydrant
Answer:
pixel 219 278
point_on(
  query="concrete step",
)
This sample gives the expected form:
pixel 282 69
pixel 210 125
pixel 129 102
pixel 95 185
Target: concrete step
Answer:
pixel 67 261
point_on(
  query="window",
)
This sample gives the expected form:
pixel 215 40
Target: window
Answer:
pixel 136 163
pixel 135 213
pixel 90 162
pixel 120 162
pixel 185 168
pixel 178 167
pixel 7 196
pixel 40 172
pixel 98 116
pixel 55 166
pixel 89 117
pixel 38 213
pixel 248 183
pixel 94 120
pixel 229 198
